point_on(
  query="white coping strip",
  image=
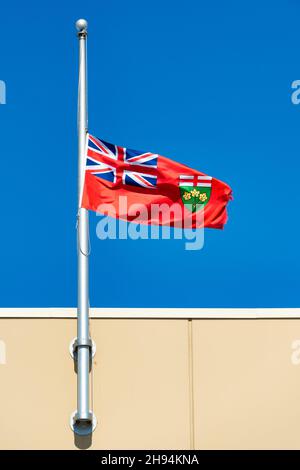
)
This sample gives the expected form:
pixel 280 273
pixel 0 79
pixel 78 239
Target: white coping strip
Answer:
pixel 174 313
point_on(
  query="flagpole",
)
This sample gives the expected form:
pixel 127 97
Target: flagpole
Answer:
pixel 83 418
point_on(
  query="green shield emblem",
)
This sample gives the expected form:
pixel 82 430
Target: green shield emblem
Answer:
pixel 194 198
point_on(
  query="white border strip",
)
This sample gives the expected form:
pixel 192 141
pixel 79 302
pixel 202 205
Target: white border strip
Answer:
pixel 140 313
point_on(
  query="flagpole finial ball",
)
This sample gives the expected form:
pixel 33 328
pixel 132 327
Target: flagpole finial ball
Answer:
pixel 81 25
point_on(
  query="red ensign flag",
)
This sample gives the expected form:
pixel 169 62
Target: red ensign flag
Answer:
pixel 151 189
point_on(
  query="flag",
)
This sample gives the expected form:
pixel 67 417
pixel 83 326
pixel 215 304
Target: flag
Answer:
pixel 148 188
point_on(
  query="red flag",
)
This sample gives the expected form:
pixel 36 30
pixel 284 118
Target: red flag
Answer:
pixel 151 189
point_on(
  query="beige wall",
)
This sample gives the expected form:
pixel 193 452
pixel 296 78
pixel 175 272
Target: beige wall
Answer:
pixel 169 384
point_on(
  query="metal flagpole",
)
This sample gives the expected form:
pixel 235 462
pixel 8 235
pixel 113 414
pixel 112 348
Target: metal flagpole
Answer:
pixel 83 419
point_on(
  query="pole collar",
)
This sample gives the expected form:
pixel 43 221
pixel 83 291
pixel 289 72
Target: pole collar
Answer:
pixel 83 427
pixel 74 345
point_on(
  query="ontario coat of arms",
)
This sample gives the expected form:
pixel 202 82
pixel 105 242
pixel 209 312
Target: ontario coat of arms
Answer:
pixel 195 191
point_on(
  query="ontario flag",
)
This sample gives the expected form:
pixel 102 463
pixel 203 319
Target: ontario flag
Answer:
pixel 148 188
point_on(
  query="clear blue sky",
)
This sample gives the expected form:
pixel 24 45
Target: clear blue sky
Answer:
pixel 206 82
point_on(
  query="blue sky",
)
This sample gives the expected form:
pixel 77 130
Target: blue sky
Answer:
pixel 206 83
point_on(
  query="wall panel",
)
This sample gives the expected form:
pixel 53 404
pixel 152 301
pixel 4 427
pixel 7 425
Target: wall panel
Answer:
pixel 246 387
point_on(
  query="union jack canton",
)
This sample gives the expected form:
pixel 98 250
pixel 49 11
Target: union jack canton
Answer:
pixel 121 165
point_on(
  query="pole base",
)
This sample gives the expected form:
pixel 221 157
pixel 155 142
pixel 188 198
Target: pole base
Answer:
pixel 83 427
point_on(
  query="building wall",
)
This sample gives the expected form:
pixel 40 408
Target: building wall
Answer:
pixel 157 383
